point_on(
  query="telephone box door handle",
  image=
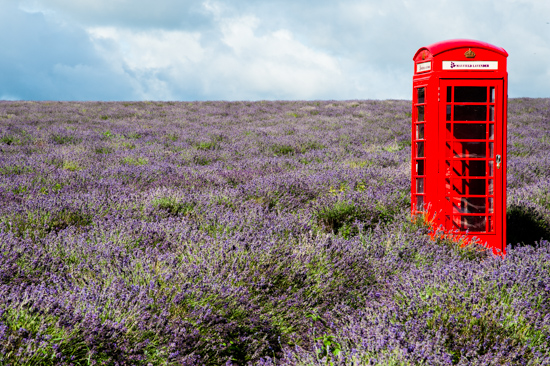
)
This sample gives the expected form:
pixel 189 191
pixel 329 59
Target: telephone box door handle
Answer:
pixel 498 161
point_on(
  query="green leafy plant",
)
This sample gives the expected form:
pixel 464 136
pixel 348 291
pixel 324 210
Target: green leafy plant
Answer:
pixel 282 149
pixel 10 140
pixel 337 216
pixel 103 150
pixel 129 160
pixel 330 346
pixel 40 223
pixel 174 207
pixel 71 166
pixel 107 134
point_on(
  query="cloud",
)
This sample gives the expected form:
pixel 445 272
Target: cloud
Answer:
pixel 273 61
pixel 154 59
pixel 134 14
pixel 53 61
pixel 283 49
pixel 239 64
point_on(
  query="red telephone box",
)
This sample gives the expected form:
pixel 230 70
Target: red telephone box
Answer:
pixel 459 139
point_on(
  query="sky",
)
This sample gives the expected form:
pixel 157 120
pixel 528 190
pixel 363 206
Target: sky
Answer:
pixel 109 50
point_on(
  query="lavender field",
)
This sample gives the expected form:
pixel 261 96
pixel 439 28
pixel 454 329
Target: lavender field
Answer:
pixel 255 233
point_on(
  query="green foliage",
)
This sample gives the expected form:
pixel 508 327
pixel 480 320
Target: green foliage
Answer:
pixel 520 149
pixel 206 145
pixel 311 145
pixel 130 160
pixel 339 216
pixel 64 139
pixel 103 150
pixel 228 334
pixel 54 344
pixel 40 223
pixel 471 252
pixel 107 134
pixel 330 346
pixel 71 166
pixel 397 146
pixel 56 187
pixel 10 140
pixel 463 322
pixel 223 200
pixel 543 199
pixel 201 160
pixel 14 170
pixel 174 137
pixel 213 144
pixel 20 189
pixel 174 207
pixel 134 135
pixel 235 261
pixel 282 149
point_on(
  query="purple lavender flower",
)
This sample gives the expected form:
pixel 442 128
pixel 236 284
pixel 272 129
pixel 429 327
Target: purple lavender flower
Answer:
pixel 262 233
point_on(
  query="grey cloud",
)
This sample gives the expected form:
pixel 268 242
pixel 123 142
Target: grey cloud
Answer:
pixel 371 44
pixel 385 35
pixel 45 60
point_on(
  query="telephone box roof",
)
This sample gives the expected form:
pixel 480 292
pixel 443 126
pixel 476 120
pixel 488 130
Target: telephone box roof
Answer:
pixel 439 47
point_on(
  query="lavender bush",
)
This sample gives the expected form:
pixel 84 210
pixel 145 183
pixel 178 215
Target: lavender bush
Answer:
pixel 260 233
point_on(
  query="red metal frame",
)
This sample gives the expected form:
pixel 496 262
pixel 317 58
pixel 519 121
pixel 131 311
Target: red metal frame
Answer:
pixel 458 163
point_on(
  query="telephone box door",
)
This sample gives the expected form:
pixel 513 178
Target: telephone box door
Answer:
pixel 471 166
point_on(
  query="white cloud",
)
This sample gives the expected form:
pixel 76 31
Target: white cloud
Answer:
pixel 241 65
pixel 243 49
pixel 155 49
pixel 277 61
pixel 44 59
pixel 8 97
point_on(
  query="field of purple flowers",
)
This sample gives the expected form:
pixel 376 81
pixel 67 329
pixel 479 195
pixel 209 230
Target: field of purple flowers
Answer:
pixel 255 232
